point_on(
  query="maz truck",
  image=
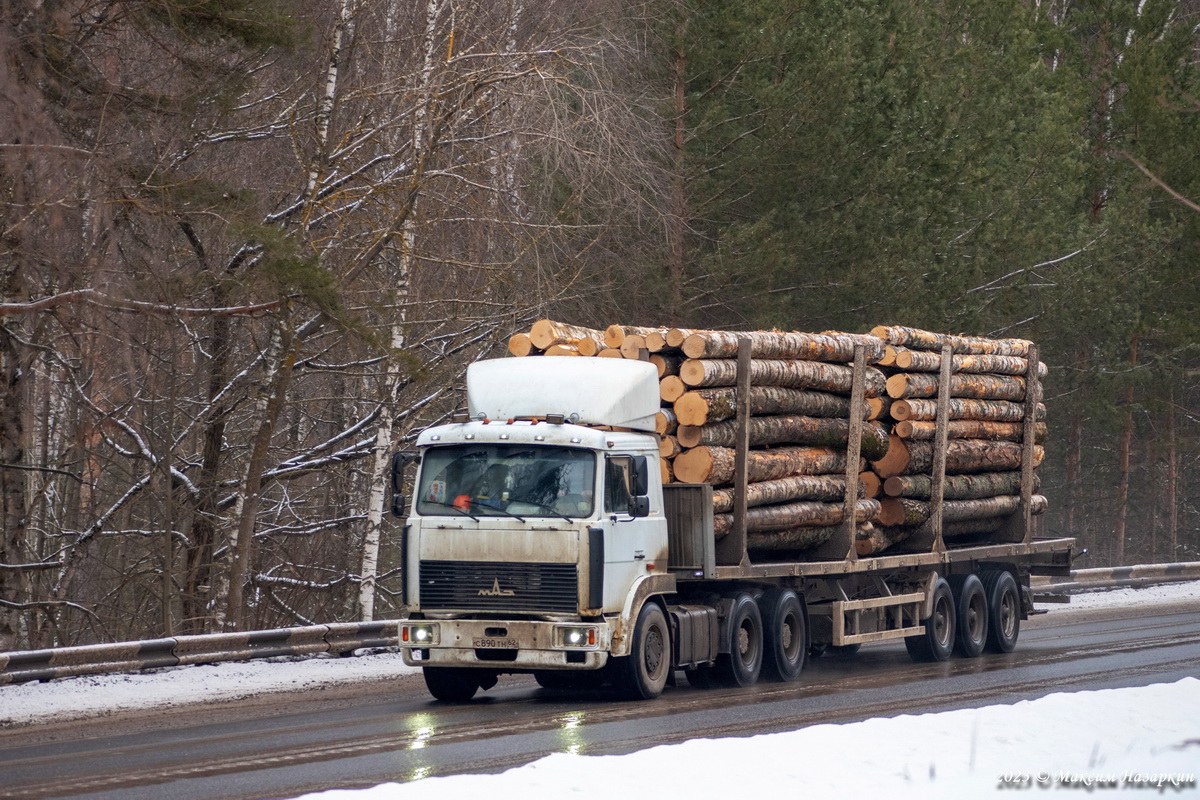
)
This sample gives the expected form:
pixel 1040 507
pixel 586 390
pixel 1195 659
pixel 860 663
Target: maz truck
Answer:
pixel 541 539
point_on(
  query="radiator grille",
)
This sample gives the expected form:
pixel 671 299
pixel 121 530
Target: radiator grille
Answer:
pixel 467 585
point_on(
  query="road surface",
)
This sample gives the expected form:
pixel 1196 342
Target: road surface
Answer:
pixel 393 731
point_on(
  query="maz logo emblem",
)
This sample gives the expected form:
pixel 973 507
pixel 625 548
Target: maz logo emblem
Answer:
pixel 496 591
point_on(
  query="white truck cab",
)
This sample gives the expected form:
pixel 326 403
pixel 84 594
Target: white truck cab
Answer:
pixel 531 529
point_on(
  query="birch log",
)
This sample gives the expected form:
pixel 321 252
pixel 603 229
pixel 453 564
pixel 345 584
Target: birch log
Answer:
pixel 791 540
pixel 702 406
pixel 927 361
pixel 776 344
pixel 927 340
pixel 519 344
pixel 969 429
pixel 666 363
pixel 715 464
pixel 907 457
pixel 614 335
pixel 547 332
pixel 796 515
pixel 632 346
pixel 905 511
pixel 671 388
pixel 871 540
pixel 905 385
pixel 817 431
pixel 962 408
pixel 957 487
pixel 701 372
pixel 676 336
pixel 824 488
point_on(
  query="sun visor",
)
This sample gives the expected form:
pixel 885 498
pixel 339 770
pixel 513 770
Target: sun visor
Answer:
pixel 594 391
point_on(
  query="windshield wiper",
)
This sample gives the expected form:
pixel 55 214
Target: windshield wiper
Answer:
pixel 462 511
pixel 475 502
pixel 551 509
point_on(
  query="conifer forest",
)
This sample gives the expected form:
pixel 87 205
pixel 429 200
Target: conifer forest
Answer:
pixel 248 247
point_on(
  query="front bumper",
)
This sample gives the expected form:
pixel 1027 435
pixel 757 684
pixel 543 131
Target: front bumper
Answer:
pixel 505 645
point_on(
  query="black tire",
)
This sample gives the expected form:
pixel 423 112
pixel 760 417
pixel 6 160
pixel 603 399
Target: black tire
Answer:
pixel 937 642
pixel 971 609
pixel 743 663
pixel 451 684
pixel 642 675
pixel 844 650
pixel 1004 610
pixel 785 635
pixel 818 650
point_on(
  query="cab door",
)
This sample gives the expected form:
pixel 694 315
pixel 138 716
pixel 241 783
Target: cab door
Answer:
pixel 634 534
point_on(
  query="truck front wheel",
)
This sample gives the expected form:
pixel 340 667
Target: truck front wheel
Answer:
pixel 452 684
pixel 642 675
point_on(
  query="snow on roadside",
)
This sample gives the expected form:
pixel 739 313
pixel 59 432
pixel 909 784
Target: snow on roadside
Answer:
pixel 1155 594
pixel 1145 738
pixel 96 696
pixel 103 695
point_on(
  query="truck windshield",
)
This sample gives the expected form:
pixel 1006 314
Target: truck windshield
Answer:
pixel 507 480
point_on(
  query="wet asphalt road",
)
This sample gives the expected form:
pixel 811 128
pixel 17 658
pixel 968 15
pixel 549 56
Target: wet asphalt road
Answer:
pixel 395 732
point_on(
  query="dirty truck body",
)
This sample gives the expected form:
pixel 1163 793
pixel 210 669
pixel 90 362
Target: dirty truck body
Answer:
pixel 540 539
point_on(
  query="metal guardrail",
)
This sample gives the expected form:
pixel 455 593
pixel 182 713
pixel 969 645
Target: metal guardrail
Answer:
pixel 339 638
pixel 336 638
pixel 1116 577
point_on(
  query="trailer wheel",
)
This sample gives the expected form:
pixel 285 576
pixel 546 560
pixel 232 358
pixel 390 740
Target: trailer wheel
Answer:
pixel 971 609
pixel 785 635
pixel 937 642
pixel 643 673
pixel 1004 610
pixel 452 684
pixel 742 664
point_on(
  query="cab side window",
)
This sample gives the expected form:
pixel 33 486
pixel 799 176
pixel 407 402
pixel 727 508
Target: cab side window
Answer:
pixel 618 481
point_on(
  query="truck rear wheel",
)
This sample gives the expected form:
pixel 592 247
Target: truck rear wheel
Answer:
pixel 937 642
pixel 971 609
pixel 785 635
pixel 742 664
pixel 1004 610
pixel 452 684
pixel 642 675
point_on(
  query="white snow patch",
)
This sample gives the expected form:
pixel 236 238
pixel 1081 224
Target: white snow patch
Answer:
pixel 1145 738
pixel 1143 596
pixel 102 695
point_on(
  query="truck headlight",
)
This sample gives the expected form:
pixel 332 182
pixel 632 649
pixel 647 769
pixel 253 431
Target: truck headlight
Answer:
pixel 419 635
pixel 577 636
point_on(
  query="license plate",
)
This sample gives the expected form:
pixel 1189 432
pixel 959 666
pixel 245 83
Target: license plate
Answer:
pixel 488 643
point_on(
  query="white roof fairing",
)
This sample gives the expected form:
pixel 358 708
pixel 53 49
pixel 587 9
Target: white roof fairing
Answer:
pixel 599 391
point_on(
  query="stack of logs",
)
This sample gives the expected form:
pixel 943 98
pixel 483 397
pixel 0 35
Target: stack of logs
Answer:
pixel 799 427
pixel 984 435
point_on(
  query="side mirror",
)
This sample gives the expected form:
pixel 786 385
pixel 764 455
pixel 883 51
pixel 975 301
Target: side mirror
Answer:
pixel 639 506
pixel 641 480
pixel 400 460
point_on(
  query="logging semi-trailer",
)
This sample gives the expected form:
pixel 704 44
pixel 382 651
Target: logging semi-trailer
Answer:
pixel 546 532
